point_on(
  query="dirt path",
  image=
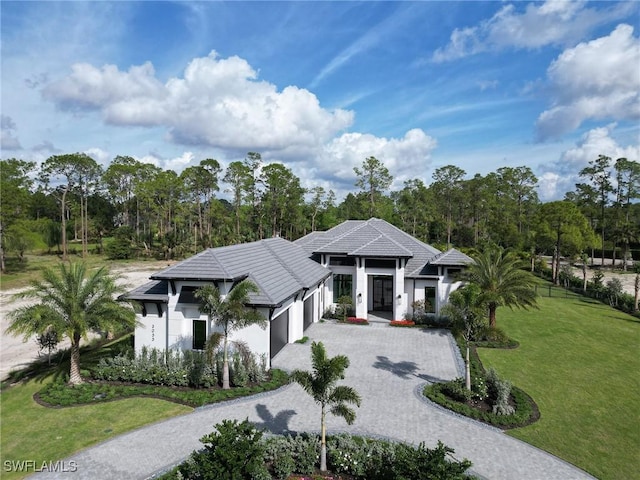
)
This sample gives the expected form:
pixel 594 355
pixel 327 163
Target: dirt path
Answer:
pixel 15 353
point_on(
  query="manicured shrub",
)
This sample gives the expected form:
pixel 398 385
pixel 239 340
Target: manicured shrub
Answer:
pixel 234 451
pixel 457 390
pixel 303 449
pixel 499 391
pixel 362 458
pixel 421 463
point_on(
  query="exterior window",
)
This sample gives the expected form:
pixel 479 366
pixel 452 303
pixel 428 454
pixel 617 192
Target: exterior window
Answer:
pixel 199 334
pixel 454 272
pixel 379 263
pixel 430 299
pixel 341 286
pixel 342 261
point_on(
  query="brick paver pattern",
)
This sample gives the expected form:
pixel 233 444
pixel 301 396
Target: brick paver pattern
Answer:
pixel 388 368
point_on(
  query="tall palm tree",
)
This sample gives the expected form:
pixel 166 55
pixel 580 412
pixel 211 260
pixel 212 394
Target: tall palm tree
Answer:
pixel 230 313
pixel 468 315
pixel 501 281
pixel 72 302
pixel 321 385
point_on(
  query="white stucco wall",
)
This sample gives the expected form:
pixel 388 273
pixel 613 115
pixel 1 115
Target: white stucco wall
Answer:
pixel 152 330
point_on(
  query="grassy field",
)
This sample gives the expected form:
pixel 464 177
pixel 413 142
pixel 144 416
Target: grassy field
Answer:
pixel 20 274
pixel 32 432
pixel 580 361
pixel 29 431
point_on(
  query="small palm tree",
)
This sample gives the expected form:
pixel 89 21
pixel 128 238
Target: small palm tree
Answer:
pixel 468 316
pixel 72 302
pixel 501 281
pixel 230 313
pixel 321 385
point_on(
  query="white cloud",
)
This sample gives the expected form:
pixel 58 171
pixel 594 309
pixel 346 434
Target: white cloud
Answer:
pixel 550 23
pixel 99 155
pixel 218 102
pixel 7 140
pixel 561 176
pixel 599 79
pixel 404 157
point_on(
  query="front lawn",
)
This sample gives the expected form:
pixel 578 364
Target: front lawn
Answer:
pixel 32 432
pixel 579 361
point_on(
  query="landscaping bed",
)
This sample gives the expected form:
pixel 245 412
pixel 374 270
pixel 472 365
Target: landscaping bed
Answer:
pixel 477 403
pixel 237 450
pixel 58 394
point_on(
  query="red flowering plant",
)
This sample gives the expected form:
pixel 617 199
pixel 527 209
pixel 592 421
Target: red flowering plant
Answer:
pixel 402 323
pixel 357 321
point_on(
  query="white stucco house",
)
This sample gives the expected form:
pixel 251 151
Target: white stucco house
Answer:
pixel 382 268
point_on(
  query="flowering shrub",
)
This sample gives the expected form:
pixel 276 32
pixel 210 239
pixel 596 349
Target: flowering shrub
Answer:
pixel 402 323
pixel 479 388
pixel 357 321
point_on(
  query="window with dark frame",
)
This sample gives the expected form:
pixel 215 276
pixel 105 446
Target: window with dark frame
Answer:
pixel 342 285
pixel 199 334
pixel 342 261
pixel 430 299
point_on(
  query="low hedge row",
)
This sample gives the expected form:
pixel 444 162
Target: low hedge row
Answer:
pixel 59 394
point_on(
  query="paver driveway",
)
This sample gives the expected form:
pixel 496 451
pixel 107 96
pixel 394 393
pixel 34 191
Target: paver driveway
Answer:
pixel 388 367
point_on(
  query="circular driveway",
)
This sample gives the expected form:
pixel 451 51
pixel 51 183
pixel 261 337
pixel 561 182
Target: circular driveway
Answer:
pixel 388 368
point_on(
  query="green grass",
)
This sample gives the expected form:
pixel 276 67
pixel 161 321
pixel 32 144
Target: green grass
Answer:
pixel 579 360
pixel 32 432
pixel 19 274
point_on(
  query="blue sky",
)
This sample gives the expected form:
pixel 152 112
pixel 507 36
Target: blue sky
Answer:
pixel 320 86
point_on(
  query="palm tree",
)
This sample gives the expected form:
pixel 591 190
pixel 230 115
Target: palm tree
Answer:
pixel 230 313
pixel 72 302
pixel 468 316
pixel 501 281
pixel 321 385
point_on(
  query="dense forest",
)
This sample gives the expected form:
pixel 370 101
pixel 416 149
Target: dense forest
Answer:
pixel 134 209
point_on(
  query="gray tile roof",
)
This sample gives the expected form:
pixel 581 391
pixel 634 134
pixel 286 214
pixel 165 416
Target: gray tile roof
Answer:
pixel 278 267
pixel 452 257
pixel 378 238
pixel 154 291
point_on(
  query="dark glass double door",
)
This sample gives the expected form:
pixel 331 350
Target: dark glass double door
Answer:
pixel 383 293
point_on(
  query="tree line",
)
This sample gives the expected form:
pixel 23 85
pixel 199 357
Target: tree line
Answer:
pixel 146 211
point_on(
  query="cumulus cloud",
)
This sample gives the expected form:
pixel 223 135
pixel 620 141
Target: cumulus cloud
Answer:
pixel 561 176
pixel 99 155
pixel 551 23
pixel 594 80
pixel 402 156
pixel 46 146
pixel 218 102
pixel 7 139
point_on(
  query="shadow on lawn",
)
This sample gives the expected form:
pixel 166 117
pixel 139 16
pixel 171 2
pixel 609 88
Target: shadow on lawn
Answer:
pixel 58 366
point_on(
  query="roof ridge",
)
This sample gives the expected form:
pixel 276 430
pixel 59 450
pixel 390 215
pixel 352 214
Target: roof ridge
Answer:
pixel 220 264
pixel 282 264
pixel 389 237
pixel 408 236
pixel 368 243
pixel 348 232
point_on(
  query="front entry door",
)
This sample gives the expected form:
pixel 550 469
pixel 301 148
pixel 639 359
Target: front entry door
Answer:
pixel 383 293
